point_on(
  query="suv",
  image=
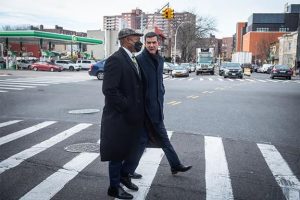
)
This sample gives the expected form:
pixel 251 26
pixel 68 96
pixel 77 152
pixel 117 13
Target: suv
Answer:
pixel 68 64
pixel 85 64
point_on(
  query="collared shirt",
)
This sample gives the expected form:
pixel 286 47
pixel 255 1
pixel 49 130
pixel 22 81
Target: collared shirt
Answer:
pixel 132 56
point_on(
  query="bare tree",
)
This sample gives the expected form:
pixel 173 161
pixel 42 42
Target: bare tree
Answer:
pixel 189 36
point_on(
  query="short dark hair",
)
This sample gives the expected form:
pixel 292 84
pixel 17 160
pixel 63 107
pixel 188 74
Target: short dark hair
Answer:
pixel 150 35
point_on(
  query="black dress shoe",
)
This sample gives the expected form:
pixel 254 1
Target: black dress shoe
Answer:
pixel 126 181
pixel 118 192
pixel 135 176
pixel 180 168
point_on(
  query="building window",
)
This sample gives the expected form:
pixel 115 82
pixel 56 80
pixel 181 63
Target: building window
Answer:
pixel 262 29
pixel 283 29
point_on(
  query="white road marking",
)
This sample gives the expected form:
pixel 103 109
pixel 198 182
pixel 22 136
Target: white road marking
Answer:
pixel 27 131
pixel 230 79
pixel 3 91
pixel 220 79
pixel 201 79
pixel 20 83
pixel 21 86
pixel 190 79
pixel 18 158
pixel 217 177
pixel 10 88
pixel 9 123
pixel 54 183
pixel 148 166
pixel 282 173
pixel 210 79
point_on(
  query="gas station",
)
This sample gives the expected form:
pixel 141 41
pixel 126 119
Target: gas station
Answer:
pixel 32 43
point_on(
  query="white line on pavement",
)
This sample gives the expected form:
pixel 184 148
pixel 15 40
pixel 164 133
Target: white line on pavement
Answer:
pixel 21 86
pixel 9 88
pixel 9 123
pixel 218 183
pixel 18 158
pixel 282 173
pixel 54 183
pixel 148 167
pixel 27 131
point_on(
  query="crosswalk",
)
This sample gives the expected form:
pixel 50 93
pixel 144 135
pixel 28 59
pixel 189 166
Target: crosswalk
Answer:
pixel 17 84
pixel 217 79
pixel 45 140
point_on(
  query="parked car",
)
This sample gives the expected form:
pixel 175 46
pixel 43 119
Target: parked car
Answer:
pixel 269 69
pixel 222 68
pixel 187 66
pixel 180 71
pixel 85 64
pixel 264 68
pixel 281 71
pixel 247 65
pixel 97 69
pixel 233 70
pixel 168 67
pixel 46 66
pixel 24 64
pixel 68 64
pixel 255 67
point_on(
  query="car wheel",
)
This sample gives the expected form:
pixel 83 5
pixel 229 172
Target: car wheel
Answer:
pixel 35 68
pixel 29 67
pixel 71 68
pixel 272 77
pixel 100 75
pixel 289 78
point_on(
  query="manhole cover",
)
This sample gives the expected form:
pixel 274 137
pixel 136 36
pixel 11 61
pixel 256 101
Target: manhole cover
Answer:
pixel 83 147
pixel 84 111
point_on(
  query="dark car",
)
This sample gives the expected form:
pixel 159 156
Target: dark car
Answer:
pixel 97 69
pixel 281 71
pixel 247 65
pixel 233 70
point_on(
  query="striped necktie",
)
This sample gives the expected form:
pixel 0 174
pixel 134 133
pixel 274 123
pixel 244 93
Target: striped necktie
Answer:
pixel 135 64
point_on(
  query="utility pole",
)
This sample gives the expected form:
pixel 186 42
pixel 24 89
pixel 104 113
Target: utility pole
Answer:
pixel 297 60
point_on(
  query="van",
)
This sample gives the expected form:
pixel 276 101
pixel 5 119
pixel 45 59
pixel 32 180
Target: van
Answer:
pixel 85 64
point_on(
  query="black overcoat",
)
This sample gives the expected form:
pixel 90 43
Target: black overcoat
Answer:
pixel 154 91
pixel 123 112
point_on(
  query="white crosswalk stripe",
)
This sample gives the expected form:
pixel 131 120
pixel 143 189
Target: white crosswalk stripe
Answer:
pixel 18 158
pixel 252 80
pixel 218 180
pixel 284 176
pixel 24 83
pixel 218 184
pixel 18 134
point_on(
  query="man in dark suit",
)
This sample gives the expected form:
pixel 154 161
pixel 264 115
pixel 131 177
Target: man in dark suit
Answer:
pixel 123 113
pixel 151 63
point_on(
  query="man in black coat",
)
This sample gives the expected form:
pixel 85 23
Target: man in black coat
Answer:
pixel 123 113
pixel 151 64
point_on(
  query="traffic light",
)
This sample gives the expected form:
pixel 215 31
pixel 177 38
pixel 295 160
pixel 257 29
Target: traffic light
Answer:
pixel 171 13
pixel 165 13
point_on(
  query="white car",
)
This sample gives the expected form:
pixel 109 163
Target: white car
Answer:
pixel 264 68
pixel 68 64
pixel 85 64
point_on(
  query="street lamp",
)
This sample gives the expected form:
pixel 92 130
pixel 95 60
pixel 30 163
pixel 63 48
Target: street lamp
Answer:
pixel 176 40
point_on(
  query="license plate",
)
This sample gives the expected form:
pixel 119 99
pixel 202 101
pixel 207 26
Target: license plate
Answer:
pixel 233 74
pixel 282 71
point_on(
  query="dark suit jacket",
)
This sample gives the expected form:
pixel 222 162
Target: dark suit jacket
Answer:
pixel 123 112
pixel 153 86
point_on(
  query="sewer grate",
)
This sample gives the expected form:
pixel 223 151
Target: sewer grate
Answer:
pixel 84 111
pixel 83 147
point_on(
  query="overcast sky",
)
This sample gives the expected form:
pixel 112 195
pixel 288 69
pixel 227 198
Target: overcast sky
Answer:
pixel 83 15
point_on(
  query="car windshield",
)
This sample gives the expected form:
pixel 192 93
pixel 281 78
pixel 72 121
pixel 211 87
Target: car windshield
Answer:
pixel 179 68
pixel 233 65
pixel 281 67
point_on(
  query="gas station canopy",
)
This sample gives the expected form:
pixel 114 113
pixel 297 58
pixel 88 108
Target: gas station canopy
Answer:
pixel 37 36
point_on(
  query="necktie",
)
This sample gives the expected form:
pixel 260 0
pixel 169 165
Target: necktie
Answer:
pixel 135 64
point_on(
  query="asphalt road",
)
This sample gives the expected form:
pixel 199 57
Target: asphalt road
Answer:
pixel 241 136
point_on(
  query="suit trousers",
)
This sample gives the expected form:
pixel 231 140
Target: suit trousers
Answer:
pixel 167 147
